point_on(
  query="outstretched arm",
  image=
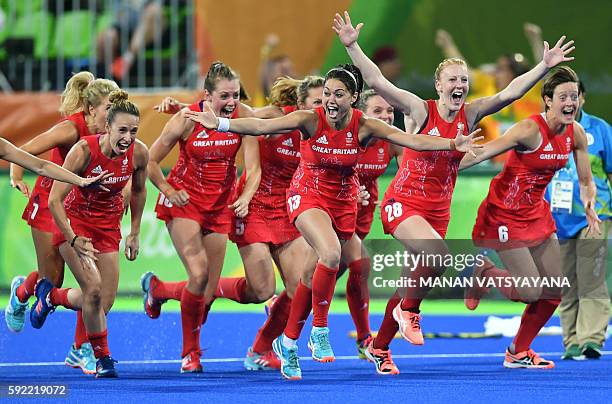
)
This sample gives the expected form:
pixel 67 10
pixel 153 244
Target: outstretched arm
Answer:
pixel 588 191
pixel 302 120
pixel 447 45
pixel 482 107
pixel 403 100
pixel 43 167
pixel 380 129
pixel 533 33
pixel 523 134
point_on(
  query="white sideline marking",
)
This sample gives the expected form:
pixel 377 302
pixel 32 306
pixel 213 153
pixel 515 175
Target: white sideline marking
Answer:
pixel 303 358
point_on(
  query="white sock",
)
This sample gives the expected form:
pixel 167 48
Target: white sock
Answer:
pixel 288 342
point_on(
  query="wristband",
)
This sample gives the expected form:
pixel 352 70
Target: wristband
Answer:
pixel 453 147
pixel 73 240
pixel 223 125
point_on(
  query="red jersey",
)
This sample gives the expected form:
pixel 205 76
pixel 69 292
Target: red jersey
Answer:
pixel 372 164
pixel 103 209
pixel 327 169
pixel 206 166
pixel 279 157
pixel 516 194
pixel 58 155
pixel 426 179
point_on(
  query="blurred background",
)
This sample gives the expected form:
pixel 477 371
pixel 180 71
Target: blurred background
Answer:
pixel 159 48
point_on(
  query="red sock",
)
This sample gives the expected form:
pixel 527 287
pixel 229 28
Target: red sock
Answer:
pixel 358 296
pixel 389 327
pixel 80 333
pixel 534 318
pixel 415 295
pixel 192 311
pixel 323 285
pixel 508 290
pixel 99 342
pixel 59 297
pixel 300 309
pixel 232 288
pixel 207 308
pixel 274 325
pixel 26 289
pixel 167 290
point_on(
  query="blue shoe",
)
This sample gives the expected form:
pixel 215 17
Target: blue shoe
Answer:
pixel 264 361
pixel 82 358
pixel 42 306
pixel 290 363
pixel 152 306
pixel 105 368
pixel 14 314
pixel 319 344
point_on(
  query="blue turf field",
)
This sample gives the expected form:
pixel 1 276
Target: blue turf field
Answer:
pixel 149 351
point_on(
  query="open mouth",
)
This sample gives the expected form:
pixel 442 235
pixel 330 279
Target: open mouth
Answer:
pixel 569 112
pixel 227 111
pixel 123 146
pixel 457 96
pixel 332 111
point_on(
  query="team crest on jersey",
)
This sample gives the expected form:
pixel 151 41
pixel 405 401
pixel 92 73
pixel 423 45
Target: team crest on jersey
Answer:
pixel 202 135
pixel 97 170
pixel 381 153
pixel 568 142
pixel 288 143
pixel 349 138
pixel 322 140
pixel 434 131
pixel 124 164
pixel 548 147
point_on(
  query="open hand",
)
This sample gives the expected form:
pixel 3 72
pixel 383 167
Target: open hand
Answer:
pixel 346 32
pixel 558 54
pixel 467 144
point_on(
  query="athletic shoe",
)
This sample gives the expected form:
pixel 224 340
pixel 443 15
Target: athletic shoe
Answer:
pixel 526 359
pixel 191 363
pixel 82 358
pixel 105 368
pixel 473 294
pixel 42 306
pixel 573 352
pixel 591 350
pixel 362 345
pixel 269 304
pixel 290 362
pixel 14 314
pixel 152 306
pixel 264 361
pixel 409 325
pixel 382 359
pixel 319 344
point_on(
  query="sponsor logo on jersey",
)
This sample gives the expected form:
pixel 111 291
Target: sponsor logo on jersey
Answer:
pixel 97 170
pixel 288 143
pixel 548 147
pixel 202 135
pixel 434 132
pixel 322 140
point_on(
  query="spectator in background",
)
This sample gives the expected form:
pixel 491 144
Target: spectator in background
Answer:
pixel 142 20
pixel 486 81
pixel 585 304
pixel 274 65
pixel 387 60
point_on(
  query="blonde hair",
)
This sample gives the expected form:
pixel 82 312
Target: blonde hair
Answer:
pixel 84 90
pixel 447 62
pixel 289 91
pixel 120 104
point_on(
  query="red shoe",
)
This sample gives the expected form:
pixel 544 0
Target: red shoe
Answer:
pixel 409 325
pixel 117 68
pixel 473 294
pixel 191 363
pixel 264 361
pixel 382 359
pixel 526 359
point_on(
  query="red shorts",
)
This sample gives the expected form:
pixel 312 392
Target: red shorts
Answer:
pixel 262 226
pixel 344 219
pixel 105 240
pixel 394 212
pixel 365 217
pixel 217 221
pixel 491 231
pixel 38 215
